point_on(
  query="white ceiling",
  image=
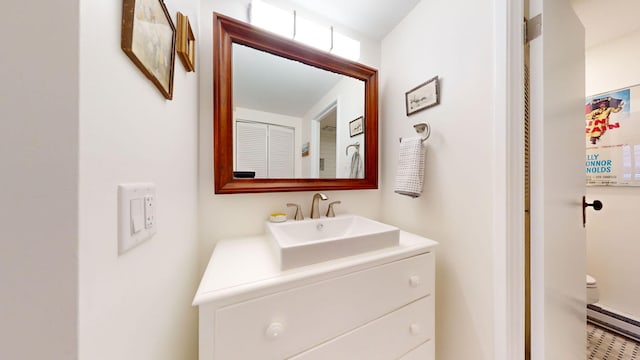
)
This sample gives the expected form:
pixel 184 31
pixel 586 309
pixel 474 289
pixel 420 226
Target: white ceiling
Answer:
pixel 607 19
pixel 277 85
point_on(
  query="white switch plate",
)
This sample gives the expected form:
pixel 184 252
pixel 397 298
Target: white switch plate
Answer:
pixel 141 197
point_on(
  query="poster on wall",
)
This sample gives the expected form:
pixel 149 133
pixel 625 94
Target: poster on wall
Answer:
pixel 612 126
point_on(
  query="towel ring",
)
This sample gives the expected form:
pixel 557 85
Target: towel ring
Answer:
pixel 356 145
pixel 422 128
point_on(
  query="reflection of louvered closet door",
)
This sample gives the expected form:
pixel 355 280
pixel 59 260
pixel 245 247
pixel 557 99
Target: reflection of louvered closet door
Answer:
pixel 266 149
pixel 280 152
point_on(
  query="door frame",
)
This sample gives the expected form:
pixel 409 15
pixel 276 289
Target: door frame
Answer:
pixel 508 182
pixel 315 137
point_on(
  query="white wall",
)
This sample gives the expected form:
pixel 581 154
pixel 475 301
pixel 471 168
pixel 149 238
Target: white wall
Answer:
pixel 138 305
pixel 78 118
pixel 39 181
pixel 348 97
pixel 612 245
pixel 455 207
pixel 226 216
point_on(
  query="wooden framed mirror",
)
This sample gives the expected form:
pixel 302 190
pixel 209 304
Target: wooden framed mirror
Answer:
pixel 231 38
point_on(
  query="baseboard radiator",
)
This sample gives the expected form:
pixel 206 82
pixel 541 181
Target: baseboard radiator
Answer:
pixel 613 321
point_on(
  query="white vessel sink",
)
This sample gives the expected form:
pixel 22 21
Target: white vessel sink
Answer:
pixel 306 242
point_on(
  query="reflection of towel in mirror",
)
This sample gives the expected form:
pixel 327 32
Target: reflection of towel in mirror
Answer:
pixel 356 166
pixel 410 173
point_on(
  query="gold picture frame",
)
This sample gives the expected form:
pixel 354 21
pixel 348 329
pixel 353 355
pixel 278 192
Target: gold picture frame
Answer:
pixel 186 43
pixel 149 40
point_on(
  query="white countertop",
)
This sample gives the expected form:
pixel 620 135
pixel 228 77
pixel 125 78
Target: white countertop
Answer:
pixel 245 268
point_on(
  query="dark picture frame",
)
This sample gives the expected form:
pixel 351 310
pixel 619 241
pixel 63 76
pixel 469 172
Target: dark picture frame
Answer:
pixel 149 40
pixel 356 126
pixel 423 96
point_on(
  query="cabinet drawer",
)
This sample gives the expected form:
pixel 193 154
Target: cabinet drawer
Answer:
pixel 281 325
pixel 386 338
pixel 425 351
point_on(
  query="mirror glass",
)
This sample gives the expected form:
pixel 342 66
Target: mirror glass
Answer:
pixel 281 105
pixel 288 117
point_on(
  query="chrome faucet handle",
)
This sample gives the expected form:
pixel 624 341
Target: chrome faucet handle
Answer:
pixel 298 215
pixel 330 212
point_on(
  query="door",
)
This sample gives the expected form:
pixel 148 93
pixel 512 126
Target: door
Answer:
pixel 266 149
pixel 251 148
pixel 281 152
pixel 558 249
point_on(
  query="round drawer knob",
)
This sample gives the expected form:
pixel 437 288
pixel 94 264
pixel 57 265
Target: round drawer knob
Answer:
pixel 414 329
pixel 414 281
pixel 274 330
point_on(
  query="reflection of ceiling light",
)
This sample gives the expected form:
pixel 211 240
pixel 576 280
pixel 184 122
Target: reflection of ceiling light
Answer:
pixel 287 24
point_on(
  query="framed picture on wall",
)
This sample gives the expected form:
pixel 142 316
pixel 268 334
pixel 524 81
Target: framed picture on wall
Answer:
pixel 186 43
pixel 149 40
pixel 423 96
pixel 356 127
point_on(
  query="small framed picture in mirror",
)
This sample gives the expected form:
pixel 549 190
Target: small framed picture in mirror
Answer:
pixel 356 127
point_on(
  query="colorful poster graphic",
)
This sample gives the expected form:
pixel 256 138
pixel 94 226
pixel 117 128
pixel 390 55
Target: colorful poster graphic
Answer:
pixel 612 128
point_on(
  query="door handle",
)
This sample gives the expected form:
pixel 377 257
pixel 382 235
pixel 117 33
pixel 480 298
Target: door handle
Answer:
pixel 596 204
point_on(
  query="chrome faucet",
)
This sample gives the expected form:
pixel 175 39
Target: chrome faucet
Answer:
pixel 315 210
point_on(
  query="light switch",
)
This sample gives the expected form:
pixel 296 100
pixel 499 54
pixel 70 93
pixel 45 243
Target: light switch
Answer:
pixel 137 219
pixel 137 215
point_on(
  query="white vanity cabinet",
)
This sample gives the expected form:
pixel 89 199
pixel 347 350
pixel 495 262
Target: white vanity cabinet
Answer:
pixel 376 305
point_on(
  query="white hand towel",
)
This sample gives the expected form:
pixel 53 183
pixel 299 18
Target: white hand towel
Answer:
pixel 410 175
pixel 356 166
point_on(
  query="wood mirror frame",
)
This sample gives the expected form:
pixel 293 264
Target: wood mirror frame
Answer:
pixel 227 31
